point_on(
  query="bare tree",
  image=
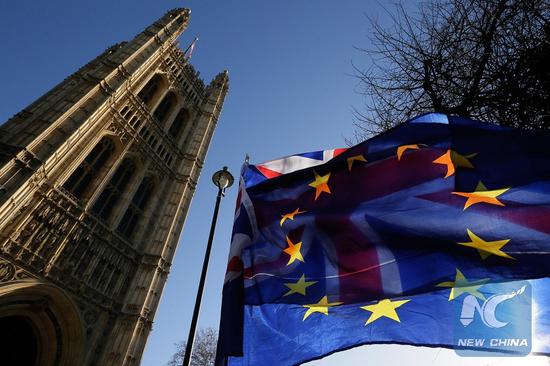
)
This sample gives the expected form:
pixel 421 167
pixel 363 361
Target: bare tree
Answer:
pixel 486 59
pixel 204 349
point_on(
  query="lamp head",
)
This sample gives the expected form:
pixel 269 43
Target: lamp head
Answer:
pixel 223 179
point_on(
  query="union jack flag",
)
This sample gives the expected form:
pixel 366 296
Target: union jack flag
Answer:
pixel 384 235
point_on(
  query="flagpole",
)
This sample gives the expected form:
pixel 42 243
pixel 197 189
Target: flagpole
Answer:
pixel 222 179
pixel 189 50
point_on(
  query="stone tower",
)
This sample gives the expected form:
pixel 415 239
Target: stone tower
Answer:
pixel 96 178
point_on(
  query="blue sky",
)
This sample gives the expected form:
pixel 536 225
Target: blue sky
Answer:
pixel 289 64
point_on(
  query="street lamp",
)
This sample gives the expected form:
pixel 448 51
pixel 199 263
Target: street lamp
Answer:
pixel 222 179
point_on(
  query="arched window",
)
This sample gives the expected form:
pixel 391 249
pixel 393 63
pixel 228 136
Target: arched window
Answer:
pixel 165 107
pixel 150 89
pixel 134 212
pixel 81 179
pixel 112 193
pixel 179 122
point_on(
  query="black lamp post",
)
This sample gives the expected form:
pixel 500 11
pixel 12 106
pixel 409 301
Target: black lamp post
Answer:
pixel 222 179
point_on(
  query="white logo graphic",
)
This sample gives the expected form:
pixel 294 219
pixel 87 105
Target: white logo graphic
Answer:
pixel 487 311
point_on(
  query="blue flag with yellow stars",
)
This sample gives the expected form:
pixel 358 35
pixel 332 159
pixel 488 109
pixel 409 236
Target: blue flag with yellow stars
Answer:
pixel 413 237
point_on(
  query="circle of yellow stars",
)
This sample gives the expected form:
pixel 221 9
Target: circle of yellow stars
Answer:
pixel 386 308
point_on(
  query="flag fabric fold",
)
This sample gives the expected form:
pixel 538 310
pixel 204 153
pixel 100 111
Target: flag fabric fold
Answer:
pixel 377 243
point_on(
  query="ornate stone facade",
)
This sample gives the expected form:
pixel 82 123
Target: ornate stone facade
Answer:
pixel 96 179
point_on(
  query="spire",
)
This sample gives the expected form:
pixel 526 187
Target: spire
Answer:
pixel 174 22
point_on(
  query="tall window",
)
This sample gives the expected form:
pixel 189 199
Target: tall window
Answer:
pixel 112 193
pixel 179 122
pixel 79 182
pixel 164 107
pixel 150 89
pixel 134 212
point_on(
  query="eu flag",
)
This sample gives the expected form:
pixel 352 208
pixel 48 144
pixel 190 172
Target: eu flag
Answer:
pixel 383 241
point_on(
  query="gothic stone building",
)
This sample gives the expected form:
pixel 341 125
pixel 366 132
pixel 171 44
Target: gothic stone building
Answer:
pixel 96 178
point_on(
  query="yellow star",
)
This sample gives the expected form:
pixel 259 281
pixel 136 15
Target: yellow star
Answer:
pixel 290 215
pixel 462 286
pixel 351 159
pixel 320 184
pixel 299 287
pixel 482 195
pixel 486 248
pixel 452 159
pixel 402 149
pixel 385 308
pixel 293 251
pixel 321 307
